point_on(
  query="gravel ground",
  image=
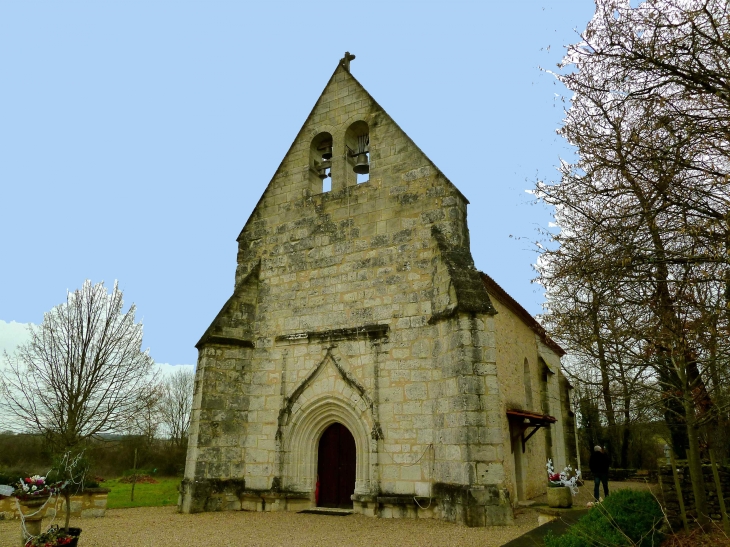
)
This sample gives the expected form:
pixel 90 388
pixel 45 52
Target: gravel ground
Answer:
pixel 163 526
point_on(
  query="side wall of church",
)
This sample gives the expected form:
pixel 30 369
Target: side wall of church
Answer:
pixel 521 357
pixel 557 401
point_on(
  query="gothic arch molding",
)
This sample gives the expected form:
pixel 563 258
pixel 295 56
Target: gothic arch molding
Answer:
pixel 292 402
pixel 301 440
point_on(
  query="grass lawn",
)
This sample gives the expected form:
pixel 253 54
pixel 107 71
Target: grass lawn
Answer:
pixel 145 495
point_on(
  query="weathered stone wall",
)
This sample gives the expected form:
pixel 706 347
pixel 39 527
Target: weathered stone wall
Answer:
pixel 517 344
pixel 554 405
pixel 91 503
pixel 669 493
pixel 568 425
pixel 360 305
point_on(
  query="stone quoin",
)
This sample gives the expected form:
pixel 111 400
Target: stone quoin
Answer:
pixel 362 360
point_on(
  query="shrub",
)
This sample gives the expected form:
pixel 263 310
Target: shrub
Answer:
pixel 625 518
pixel 567 540
pixel 12 476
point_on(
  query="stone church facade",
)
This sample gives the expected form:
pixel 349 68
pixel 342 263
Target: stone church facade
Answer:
pixel 362 360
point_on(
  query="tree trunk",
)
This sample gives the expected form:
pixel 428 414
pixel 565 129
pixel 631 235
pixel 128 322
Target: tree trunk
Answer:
pixel 67 497
pixel 602 361
pixel 695 464
pixel 625 443
pixel 673 408
pixel 626 433
pixel 134 475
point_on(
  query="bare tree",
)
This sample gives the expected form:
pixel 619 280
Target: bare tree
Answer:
pixel 147 420
pixel 176 403
pixel 82 370
pixel 645 210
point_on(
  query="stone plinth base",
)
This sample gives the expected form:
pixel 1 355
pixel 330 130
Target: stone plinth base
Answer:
pixel 476 506
pixel 276 501
pixel 472 506
pixel 392 507
pixel 197 496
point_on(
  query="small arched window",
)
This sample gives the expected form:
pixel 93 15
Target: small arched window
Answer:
pixel 545 374
pixel 357 147
pixel 528 384
pixel 320 164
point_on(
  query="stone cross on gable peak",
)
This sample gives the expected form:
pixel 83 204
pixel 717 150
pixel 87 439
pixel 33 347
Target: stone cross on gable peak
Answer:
pixel 345 61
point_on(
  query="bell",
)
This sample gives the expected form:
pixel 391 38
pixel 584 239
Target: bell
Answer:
pixel 327 154
pixel 322 173
pixel 362 167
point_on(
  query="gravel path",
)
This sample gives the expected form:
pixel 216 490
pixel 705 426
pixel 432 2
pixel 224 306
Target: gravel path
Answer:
pixel 163 526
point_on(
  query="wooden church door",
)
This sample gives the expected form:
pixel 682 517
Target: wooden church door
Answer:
pixel 336 467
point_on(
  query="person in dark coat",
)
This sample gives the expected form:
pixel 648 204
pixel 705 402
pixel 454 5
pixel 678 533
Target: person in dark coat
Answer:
pixel 599 464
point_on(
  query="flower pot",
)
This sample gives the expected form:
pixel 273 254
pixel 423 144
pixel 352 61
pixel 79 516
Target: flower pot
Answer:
pixel 560 496
pixel 75 533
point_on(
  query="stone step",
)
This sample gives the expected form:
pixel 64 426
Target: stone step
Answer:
pixel 331 511
pixel 525 503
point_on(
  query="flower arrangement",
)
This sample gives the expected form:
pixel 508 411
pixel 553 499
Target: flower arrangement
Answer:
pixel 35 487
pixel 567 477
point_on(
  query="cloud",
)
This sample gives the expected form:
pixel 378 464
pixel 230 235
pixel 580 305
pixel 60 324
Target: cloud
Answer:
pixel 12 334
pixel 166 369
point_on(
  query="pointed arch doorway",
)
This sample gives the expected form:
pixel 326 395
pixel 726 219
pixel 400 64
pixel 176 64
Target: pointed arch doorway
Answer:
pixel 336 464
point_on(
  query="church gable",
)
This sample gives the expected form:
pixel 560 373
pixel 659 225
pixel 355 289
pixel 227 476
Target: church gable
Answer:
pixel 317 192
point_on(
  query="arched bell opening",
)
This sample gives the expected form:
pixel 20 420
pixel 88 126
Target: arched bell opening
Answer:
pixel 320 163
pixel 357 148
pixel 336 467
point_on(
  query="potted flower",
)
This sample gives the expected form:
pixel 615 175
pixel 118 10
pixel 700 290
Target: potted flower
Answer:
pixel 35 488
pixel 33 493
pixel 562 486
pixel 53 537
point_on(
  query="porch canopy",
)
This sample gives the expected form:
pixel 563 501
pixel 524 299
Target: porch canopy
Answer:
pixel 524 420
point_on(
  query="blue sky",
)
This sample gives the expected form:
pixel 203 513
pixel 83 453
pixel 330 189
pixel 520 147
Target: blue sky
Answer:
pixel 136 137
